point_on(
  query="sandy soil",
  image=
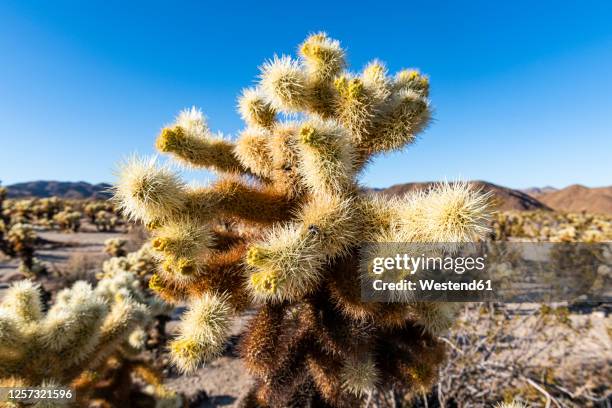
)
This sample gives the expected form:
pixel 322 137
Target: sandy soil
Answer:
pixel 58 251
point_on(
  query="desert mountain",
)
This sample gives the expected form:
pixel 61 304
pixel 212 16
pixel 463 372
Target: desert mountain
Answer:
pixel 504 198
pixel 64 189
pixel 577 198
pixel 535 191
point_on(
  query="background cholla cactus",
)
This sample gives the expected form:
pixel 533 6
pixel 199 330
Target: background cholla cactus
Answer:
pixel 91 209
pixel 133 271
pixel 291 189
pixel 142 263
pixel 106 220
pixel 88 339
pixel 115 247
pixel 551 226
pixel 21 239
pixel 68 220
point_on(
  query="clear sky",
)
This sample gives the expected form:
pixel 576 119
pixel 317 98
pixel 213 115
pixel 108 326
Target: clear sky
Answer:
pixel 522 90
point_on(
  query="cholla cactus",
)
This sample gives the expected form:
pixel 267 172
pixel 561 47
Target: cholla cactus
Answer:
pixel 128 274
pixel 133 272
pixel 68 220
pixel 21 240
pixel 80 341
pixel 551 226
pixel 91 209
pixel 143 263
pixel 77 333
pixel 106 221
pixel 292 186
pixel 115 246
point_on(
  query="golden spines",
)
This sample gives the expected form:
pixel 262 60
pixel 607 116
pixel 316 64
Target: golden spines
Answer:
pixel 323 56
pixel 332 222
pixel 412 79
pixel 255 110
pixel 22 300
pixel 74 318
pixel 285 84
pixel 406 114
pixel 447 213
pixel 375 78
pixel 326 164
pixel 12 339
pixel 285 265
pixel 202 332
pixel 147 191
pixel 206 152
pixel 379 213
pixel 182 238
pixel 252 151
pixel 355 106
pixel 121 320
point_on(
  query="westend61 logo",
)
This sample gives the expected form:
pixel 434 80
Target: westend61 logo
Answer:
pixel 486 271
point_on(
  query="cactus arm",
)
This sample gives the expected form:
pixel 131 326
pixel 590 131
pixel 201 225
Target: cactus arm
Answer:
pixel 202 332
pixel 326 155
pixel 201 152
pixel 232 197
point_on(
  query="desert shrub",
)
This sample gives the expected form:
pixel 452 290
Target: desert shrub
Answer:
pixel 539 355
pixel 289 192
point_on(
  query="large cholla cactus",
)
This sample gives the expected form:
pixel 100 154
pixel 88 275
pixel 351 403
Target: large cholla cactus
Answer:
pixel 290 188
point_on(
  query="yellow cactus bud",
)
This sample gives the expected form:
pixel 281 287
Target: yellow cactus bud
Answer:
pixel 186 266
pixel 255 255
pixel 169 139
pixel 159 243
pixel 308 134
pixel 265 281
pixel 155 283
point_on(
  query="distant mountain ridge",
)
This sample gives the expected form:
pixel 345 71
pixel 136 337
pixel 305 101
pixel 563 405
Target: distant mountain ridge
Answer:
pixel 535 191
pixel 63 189
pixel 503 198
pixel 576 198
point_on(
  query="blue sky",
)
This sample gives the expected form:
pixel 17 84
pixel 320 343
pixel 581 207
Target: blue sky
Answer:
pixel 522 90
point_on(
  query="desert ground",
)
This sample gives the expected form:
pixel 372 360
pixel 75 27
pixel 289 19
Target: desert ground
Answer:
pixel 223 382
